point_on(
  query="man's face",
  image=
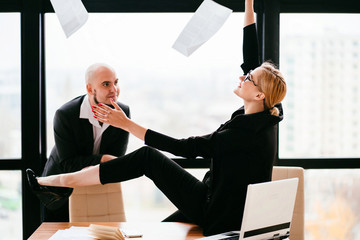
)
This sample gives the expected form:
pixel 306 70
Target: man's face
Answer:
pixel 103 87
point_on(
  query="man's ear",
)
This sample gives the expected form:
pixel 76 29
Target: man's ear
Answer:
pixel 89 89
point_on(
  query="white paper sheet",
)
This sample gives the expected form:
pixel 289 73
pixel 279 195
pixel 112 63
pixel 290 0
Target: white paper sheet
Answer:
pixel 205 22
pixel 72 15
pixel 73 233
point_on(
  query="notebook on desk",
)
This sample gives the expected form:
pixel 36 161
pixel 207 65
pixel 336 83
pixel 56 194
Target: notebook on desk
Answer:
pixel 268 212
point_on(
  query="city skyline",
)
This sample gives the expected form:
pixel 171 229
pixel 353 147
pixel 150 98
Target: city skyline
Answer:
pixel 323 76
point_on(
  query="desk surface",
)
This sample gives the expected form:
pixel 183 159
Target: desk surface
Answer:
pixel 158 230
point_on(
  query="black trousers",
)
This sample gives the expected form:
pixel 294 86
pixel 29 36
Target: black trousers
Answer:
pixel 185 191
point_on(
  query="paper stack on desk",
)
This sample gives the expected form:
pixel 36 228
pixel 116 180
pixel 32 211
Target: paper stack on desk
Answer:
pixel 105 232
pixel 89 233
pixel 73 233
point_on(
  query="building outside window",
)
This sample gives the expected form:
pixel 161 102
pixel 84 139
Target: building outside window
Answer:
pixel 10 127
pixel 319 54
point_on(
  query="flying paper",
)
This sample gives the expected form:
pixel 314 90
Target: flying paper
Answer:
pixel 72 15
pixel 205 22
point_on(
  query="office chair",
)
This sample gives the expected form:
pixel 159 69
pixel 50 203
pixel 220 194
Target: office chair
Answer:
pixel 98 203
pixel 297 230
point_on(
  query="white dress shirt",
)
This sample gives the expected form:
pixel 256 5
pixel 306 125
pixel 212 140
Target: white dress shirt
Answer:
pixel 86 113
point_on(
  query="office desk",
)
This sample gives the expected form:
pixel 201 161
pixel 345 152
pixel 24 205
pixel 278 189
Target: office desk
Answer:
pixel 151 231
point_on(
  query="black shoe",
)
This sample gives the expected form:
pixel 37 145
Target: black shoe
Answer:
pixel 51 197
pixel 31 177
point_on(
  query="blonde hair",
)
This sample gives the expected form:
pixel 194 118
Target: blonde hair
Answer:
pixel 273 85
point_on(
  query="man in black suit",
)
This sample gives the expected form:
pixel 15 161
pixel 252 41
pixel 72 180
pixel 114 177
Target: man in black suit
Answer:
pixel 81 140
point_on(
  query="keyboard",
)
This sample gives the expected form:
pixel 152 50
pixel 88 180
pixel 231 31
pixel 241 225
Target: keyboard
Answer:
pixel 231 238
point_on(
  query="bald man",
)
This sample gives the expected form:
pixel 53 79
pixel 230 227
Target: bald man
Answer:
pixel 81 140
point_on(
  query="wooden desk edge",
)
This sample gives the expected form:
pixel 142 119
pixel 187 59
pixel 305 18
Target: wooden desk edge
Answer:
pixel 47 229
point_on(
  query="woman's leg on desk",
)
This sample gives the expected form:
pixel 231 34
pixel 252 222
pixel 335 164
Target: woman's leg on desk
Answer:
pixel 185 191
pixel 86 177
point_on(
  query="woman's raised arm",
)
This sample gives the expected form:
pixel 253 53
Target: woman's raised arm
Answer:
pixel 249 13
pixel 250 41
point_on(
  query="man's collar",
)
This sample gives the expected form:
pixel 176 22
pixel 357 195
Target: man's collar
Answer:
pixel 86 112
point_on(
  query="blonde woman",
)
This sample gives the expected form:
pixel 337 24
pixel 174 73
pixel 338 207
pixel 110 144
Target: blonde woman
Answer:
pixel 242 150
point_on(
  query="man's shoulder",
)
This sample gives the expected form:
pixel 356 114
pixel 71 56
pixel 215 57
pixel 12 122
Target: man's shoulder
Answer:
pixel 72 106
pixel 124 107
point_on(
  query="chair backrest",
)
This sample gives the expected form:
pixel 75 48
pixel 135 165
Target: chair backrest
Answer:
pixel 297 230
pixel 98 203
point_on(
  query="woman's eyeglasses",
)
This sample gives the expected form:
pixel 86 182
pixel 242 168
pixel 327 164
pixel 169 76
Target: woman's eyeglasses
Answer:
pixel 248 78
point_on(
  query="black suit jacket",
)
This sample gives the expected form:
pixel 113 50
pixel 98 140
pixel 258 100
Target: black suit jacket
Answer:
pixel 74 140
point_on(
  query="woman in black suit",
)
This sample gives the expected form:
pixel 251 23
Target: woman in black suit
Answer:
pixel 242 150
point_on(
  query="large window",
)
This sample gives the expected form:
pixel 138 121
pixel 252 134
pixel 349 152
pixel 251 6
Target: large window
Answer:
pixel 166 91
pixel 332 204
pixel 10 128
pixel 189 96
pixel 320 56
pixel 10 205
